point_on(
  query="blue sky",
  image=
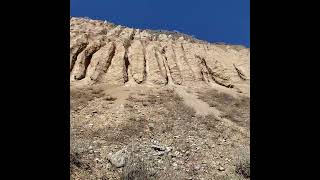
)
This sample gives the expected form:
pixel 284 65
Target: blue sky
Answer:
pixel 225 21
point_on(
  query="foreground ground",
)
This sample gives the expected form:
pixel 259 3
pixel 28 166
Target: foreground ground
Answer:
pixel 141 132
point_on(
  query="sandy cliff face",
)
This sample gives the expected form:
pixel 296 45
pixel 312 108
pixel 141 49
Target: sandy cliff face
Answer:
pixel 156 105
pixel 101 52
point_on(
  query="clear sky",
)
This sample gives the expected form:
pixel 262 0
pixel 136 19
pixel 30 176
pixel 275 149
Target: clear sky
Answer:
pixel 225 21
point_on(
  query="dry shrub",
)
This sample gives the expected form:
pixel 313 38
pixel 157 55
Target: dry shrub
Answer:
pixel 135 169
pixel 243 163
pixel 81 97
pixel 235 109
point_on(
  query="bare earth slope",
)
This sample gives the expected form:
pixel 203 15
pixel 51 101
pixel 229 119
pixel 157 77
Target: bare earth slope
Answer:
pixel 156 105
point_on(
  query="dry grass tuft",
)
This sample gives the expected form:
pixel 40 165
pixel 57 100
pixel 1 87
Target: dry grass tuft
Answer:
pixel 235 109
pixel 243 163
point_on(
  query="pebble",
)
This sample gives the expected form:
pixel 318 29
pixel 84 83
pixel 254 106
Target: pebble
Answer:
pixel 151 126
pixel 161 153
pixel 97 160
pixel 168 149
pixel 158 148
pixel 221 168
pixel 197 167
pixel 174 164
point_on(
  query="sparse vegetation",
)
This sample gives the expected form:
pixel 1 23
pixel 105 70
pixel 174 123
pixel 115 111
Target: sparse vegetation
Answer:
pixel 135 170
pixel 103 32
pixel 175 35
pixel 159 115
pixel 97 91
pixel 80 97
pixel 243 163
pixel 149 131
pixel 235 109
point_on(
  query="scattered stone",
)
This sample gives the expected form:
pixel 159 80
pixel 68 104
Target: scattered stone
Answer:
pixel 161 153
pixel 221 168
pixel 174 164
pixel 119 158
pixel 158 148
pixel 151 126
pixel 152 172
pixel 197 167
pixel 98 160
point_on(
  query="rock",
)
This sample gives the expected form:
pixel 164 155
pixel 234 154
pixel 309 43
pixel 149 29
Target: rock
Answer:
pixel 158 148
pixel 83 59
pixel 116 73
pixel 161 153
pixel 221 168
pixel 162 37
pixel 97 160
pixel 119 158
pixel 197 167
pixel 152 172
pixel 137 61
pixel 151 126
pixel 181 38
pixel 100 62
pixel 168 149
pixel 156 67
pixel 174 164
pixel 172 63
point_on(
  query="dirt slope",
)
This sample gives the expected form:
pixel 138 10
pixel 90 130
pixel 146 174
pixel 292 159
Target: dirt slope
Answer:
pixel 156 105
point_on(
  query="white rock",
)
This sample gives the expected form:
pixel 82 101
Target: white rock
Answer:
pixel 119 158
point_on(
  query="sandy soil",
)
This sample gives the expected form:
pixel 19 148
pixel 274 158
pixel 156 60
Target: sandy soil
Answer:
pixel 149 132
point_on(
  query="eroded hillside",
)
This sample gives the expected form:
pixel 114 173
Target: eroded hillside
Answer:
pixel 101 52
pixel 156 105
